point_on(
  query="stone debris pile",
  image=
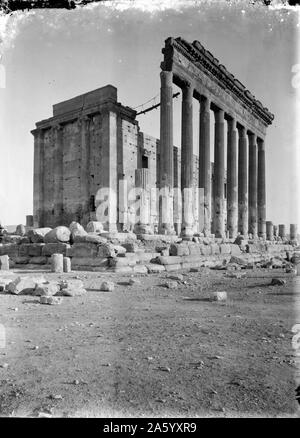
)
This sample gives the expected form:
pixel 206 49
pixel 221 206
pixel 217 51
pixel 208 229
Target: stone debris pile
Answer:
pixel 63 249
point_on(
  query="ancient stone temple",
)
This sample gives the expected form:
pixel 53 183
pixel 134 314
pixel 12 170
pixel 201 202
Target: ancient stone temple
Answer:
pixel 93 142
pixel 202 77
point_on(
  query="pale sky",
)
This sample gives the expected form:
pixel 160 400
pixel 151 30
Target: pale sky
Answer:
pixel 53 55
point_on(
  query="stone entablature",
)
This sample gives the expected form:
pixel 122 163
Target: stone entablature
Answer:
pixel 193 62
pixel 200 76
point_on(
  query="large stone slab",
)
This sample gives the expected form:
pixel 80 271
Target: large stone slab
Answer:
pixel 58 234
pixel 89 261
pixel 37 235
pixel 55 248
pixel 31 249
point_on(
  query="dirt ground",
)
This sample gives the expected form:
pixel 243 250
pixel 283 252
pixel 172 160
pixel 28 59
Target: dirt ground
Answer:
pixel 145 350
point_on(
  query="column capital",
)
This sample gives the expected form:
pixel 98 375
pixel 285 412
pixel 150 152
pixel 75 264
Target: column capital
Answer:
pixel 232 124
pixel 166 78
pixel 242 131
pixel 205 103
pixel 187 90
pixel 252 137
pixel 219 115
pixel 260 144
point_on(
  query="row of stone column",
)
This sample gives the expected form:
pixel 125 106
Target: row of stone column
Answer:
pixel 246 193
pixel 274 231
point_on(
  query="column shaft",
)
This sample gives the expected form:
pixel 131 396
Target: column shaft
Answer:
pixel 219 174
pixel 85 169
pixel 58 175
pixel 166 153
pixel 252 185
pixel 242 183
pixel 187 175
pixel 232 198
pixel 261 189
pixel 38 179
pixel 205 166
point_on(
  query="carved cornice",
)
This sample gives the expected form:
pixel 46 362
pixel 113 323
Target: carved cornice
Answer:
pixel 208 64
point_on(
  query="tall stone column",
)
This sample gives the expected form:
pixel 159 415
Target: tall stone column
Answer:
pixel 84 124
pixel 38 178
pixel 232 187
pixel 205 166
pixel 166 154
pixel 143 225
pixel 252 189
pixel 242 183
pixel 281 231
pixel 261 189
pixel 58 175
pixel 187 161
pixel 219 174
pixel 269 230
pixel 293 231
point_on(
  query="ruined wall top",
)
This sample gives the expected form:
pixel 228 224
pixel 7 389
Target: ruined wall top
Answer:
pixel 93 102
pixel 208 64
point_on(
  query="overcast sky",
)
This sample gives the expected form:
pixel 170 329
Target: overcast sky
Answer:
pixel 53 55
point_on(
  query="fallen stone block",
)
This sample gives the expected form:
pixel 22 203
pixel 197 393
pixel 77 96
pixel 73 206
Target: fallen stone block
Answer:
pixel 89 261
pixel 171 284
pixel 240 260
pixel 47 289
pixel 140 269
pixel 218 296
pixel 58 234
pixel 106 250
pixel 119 250
pixel 83 250
pixel 122 261
pixel 24 285
pixel 175 267
pixel 146 256
pixel 133 282
pixel 4 282
pixel 107 286
pixel 278 282
pixel 130 246
pixel 55 248
pixel 179 249
pixel 90 238
pixel 177 277
pixel 94 227
pixel 38 260
pixel 57 263
pixel 50 300
pixel 4 263
pixel 37 235
pixel 121 269
pixel 76 230
pixel 22 260
pixel 189 265
pixel 170 260
pixel 154 268
pixel 72 288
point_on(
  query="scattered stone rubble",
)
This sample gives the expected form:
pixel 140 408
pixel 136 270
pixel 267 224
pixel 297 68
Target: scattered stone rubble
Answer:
pixel 63 249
